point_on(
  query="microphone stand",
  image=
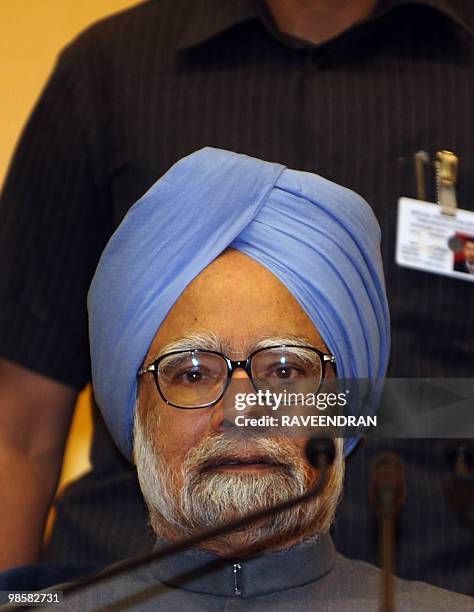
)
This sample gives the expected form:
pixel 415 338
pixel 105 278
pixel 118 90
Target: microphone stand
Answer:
pixel 387 529
pixel 461 456
pixel 388 495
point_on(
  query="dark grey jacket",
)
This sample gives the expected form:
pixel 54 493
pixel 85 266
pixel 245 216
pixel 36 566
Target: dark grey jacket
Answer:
pixel 310 576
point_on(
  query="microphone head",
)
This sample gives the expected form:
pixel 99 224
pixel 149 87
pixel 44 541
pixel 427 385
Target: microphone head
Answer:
pixel 387 487
pixel 320 450
pixel 460 456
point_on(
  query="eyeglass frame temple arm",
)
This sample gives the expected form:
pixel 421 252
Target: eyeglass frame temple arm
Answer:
pixel 146 369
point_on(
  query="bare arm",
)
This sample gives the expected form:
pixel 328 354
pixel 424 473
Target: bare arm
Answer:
pixel 35 414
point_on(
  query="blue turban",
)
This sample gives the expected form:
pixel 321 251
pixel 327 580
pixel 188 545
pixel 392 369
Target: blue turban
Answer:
pixel 319 239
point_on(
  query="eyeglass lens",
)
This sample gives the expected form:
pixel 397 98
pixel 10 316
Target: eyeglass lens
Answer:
pixel 293 369
pixel 192 378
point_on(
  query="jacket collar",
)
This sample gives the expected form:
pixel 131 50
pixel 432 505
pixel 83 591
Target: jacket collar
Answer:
pixel 202 572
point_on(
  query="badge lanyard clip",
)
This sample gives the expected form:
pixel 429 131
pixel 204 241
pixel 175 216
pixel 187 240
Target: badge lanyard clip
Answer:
pixel 446 165
pixel 421 159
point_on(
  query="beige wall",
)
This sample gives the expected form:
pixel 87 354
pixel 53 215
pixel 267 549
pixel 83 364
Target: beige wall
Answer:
pixel 32 32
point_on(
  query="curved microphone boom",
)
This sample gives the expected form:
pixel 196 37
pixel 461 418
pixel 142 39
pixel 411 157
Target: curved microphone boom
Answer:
pixel 320 453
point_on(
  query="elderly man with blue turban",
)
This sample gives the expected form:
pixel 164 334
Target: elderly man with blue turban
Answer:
pixel 232 268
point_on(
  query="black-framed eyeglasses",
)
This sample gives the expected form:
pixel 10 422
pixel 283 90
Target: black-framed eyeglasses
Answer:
pixel 199 378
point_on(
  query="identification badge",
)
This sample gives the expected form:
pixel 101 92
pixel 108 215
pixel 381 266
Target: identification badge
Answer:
pixel 434 242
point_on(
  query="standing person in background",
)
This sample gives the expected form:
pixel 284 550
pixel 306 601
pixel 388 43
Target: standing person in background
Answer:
pixel 350 90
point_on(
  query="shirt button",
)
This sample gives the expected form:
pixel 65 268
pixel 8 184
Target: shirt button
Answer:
pixel 322 59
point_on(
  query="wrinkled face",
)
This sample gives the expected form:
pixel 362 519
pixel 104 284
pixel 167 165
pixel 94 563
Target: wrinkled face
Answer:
pixel 469 251
pixel 192 473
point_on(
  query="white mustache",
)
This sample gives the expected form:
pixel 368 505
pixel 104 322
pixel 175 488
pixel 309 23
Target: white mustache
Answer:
pixel 222 449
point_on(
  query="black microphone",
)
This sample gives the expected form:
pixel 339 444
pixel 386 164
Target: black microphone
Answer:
pixel 460 455
pixel 387 493
pixel 459 489
pixel 320 453
pixel 387 489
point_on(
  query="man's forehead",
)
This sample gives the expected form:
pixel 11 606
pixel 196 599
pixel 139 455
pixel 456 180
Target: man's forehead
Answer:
pixel 233 313
pixel 230 345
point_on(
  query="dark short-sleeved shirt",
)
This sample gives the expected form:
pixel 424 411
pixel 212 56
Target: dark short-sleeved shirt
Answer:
pixel 139 90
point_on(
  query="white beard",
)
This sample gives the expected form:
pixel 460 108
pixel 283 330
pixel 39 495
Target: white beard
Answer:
pixel 203 499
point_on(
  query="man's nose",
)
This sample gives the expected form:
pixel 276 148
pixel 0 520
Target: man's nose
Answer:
pixel 224 412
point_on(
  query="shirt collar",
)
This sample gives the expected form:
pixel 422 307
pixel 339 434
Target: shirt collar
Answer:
pixel 202 572
pixel 459 11
pixel 209 18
